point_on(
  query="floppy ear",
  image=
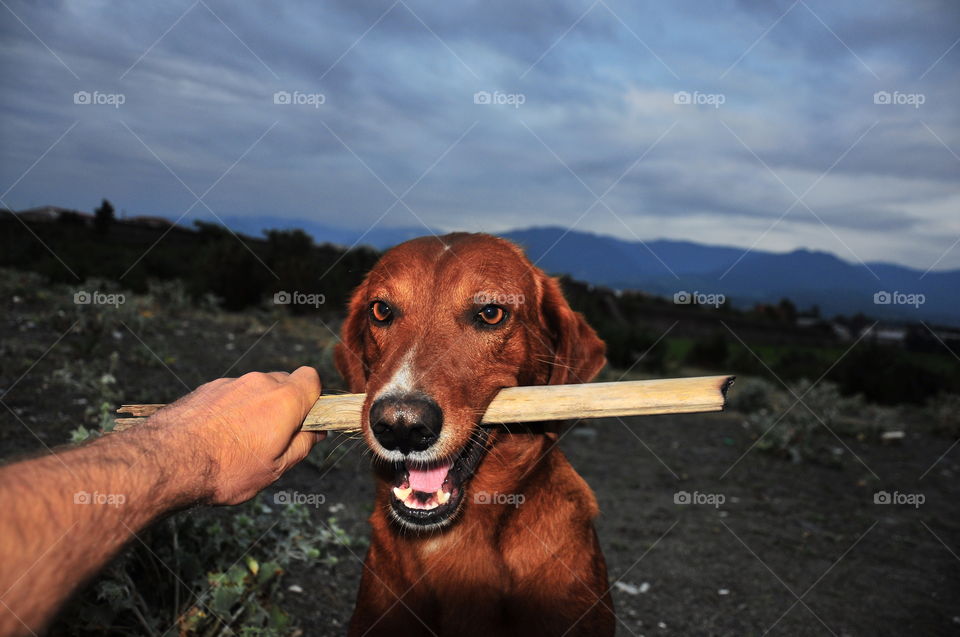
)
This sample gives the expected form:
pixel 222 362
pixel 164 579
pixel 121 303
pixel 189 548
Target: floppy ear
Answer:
pixel 578 353
pixel 348 354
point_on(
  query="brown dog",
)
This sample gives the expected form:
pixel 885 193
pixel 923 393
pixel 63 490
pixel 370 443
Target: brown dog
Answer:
pixel 475 531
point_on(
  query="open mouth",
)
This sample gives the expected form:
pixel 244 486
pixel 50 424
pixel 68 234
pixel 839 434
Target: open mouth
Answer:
pixel 429 495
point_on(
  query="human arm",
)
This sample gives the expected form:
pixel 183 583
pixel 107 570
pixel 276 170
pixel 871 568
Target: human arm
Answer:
pixel 64 515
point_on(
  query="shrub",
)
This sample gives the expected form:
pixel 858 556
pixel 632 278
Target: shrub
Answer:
pixel 99 389
pixel 797 362
pixel 711 352
pixel 103 217
pixel 742 361
pixel 802 431
pixel 888 376
pixel 750 395
pixel 631 347
pixel 171 295
pixel 234 274
pixel 206 572
pixel 943 410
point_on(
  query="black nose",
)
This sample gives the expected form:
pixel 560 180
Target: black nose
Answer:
pixel 405 423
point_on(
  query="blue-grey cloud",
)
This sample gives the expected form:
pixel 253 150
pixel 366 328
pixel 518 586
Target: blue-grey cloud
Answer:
pixel 597 80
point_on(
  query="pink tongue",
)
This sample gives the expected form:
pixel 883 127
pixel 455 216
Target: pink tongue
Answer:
pixel 428 480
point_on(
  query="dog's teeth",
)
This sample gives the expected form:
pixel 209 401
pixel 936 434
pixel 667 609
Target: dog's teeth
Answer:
pixel 401 494
pixel 442 496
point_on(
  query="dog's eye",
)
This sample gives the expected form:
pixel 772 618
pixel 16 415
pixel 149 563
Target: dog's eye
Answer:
pixel 380 312
pixel 492 314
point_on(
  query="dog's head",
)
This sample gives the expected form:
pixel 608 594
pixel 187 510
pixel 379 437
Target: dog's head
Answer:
pixel 436 329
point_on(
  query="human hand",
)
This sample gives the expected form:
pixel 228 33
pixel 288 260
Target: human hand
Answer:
pixel 232 437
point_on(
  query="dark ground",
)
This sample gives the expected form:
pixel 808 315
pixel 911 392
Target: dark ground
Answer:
pixel 785 531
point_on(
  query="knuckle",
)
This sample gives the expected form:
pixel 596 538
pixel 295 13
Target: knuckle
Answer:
pixel 255 379
pixel 311 376
pixel 309 371
pixel 217 383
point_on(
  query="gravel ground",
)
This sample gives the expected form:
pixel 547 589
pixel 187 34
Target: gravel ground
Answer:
pixel 794 549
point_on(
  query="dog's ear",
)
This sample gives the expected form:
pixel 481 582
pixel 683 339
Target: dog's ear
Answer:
pixel 348 354
pixel 578 353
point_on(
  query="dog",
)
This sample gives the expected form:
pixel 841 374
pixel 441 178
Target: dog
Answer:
pixel 475 530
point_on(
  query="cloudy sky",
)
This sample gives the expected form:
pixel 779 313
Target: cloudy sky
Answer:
pixel 782 144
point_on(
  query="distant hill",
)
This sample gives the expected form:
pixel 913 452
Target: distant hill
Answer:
pixel 805 277
pixel 380 237
pixel 666 267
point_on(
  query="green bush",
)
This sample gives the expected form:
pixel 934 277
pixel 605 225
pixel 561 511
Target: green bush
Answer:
pixel 711 352
pixel 742 361
pixel 797 362
pixel 888 376
pixel 634 348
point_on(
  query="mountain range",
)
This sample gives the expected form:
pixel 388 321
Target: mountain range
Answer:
pixel 745 278
pixel 668 267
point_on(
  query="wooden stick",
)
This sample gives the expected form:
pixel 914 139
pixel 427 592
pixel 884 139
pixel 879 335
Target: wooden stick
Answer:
pixel 341 412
